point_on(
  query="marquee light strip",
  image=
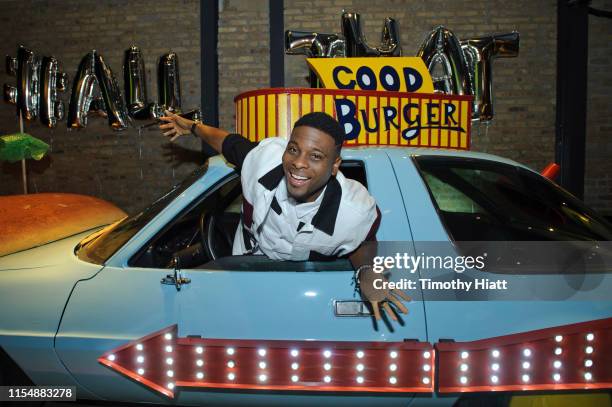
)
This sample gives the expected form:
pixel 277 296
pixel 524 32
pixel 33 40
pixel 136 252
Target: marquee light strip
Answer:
pixel 563 358
pixel 164 362
pixel 567 357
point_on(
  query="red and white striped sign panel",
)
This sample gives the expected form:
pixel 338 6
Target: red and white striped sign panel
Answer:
pixel 369 118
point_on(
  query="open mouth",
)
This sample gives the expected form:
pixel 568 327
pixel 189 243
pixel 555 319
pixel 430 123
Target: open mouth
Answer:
pixel 297 180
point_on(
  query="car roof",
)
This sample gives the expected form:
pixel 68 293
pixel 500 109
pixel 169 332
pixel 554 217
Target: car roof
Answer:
pixel 400 151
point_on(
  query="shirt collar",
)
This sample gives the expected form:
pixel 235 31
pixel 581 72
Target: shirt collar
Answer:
pixel 325 218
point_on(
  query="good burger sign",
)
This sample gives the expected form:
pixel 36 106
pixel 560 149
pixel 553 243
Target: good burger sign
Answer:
pixel 378 101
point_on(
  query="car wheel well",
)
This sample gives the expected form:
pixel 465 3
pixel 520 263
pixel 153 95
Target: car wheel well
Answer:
pixel 11 373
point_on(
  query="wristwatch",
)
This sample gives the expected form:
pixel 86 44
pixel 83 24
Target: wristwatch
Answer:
pixel 193 129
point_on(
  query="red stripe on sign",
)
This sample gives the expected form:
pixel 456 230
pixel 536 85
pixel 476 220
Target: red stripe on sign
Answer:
pixel 399 121
pixel 356 141
pixel 378 118
pixel 311 103
pixel 469 124
pixel 366 120
pixel 257 135
pixel 448 133
pixel 334 109
pixel 248 122
pixel 300 112
pixel 421 135
pixel 237 120
pixel 266 116
pixel 459 121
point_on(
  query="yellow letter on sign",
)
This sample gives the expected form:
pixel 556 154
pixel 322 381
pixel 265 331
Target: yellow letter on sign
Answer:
pixel 401 74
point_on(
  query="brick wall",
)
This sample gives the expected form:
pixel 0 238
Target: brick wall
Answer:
pixel 244 52
pixel 128 168
pixel 598 174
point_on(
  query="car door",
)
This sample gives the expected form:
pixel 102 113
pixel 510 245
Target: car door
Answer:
pixel 303 303
pixel 528 305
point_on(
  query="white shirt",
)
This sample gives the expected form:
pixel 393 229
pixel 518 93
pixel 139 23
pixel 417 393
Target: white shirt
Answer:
pixel 279 231
pixel 272 223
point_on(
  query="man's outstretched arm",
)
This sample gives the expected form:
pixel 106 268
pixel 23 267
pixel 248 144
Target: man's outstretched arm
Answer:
pixel 175 126
pixel 233 146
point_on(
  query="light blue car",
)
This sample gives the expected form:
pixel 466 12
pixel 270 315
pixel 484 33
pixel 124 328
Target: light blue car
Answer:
pixel 72 311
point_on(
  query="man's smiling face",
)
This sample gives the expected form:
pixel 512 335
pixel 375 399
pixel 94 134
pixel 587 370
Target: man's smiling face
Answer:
pixel 309 160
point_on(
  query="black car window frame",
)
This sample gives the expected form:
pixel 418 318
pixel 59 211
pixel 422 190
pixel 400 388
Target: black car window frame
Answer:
pixel 221 183
pixel 523 174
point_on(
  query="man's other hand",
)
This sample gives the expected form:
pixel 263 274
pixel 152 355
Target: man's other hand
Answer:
pixel 380 297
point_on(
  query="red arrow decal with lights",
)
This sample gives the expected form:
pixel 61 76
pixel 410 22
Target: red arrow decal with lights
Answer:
pixel 164 362
pixel 574 356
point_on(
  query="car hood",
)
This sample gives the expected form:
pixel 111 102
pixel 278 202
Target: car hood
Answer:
pixel 33 220
pixel 53 254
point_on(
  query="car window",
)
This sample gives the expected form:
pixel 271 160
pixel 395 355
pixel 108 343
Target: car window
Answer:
pixel 487 200
pixel 202 235
pixel 195 231
pixel 108 241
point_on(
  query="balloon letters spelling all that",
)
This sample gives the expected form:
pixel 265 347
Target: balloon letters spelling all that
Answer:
pixel 95 89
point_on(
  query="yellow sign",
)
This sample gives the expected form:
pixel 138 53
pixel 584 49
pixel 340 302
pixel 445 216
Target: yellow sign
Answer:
pixel 368 117
pixel 397 74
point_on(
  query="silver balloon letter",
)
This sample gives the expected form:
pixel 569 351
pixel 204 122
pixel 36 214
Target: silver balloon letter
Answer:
pixel 444 58
pixel 356 44
pixel 134 81
pixel 26 95
pixel 169 82
pixel 82 92
pixel 118 117
pixel 480 53
pixel 53 82
pixel 313 44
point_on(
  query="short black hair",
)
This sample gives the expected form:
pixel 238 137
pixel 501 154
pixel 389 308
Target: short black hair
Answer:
pixel 325 123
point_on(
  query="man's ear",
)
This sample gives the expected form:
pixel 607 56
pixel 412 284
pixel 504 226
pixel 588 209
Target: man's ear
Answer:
pixel 336 165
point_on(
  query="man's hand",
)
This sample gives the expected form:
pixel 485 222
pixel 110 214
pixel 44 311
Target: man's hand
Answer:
pixel 175 125
pixel 380 297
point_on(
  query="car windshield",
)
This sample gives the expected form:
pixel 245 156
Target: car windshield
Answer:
pixel 97 248
pixel 482 200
